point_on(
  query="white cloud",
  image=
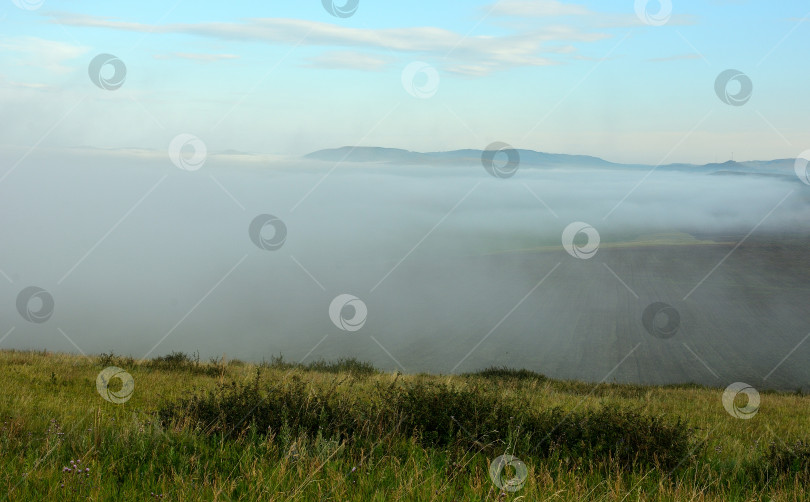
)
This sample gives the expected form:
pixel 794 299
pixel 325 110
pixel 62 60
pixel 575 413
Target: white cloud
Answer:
pixel 492 52
pixel 535 8
pixel 523 9
pixel 609 20
pixel 351 60
pixel 49 55
pixel 5 83
pixel 677 57
pixel 203 58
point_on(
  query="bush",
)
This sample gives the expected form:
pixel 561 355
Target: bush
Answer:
pixel 350 365
pixel 343 365
pixel 175 361
pixel 437 415
pixel 793 459
pixel 504 373
pixel 180 361
pixel 110 359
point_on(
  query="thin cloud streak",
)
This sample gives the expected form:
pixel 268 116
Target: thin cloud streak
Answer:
pixel 489 52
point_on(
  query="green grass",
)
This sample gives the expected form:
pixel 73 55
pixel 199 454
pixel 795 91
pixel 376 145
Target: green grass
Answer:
pixel 339 431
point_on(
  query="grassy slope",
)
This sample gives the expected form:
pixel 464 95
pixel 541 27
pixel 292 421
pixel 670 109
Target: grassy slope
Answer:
pixel 51 414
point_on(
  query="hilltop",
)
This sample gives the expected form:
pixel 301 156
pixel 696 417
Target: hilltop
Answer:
pixel 228 430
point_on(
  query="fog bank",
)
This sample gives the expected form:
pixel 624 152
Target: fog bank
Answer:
pixel 458 270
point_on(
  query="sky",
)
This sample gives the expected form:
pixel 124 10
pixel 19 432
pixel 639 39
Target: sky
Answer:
pixel 631 82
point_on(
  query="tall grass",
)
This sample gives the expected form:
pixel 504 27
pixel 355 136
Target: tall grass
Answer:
pixel 222 430
pixel 437 415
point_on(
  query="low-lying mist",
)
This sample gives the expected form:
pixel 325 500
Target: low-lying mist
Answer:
pixel 458 270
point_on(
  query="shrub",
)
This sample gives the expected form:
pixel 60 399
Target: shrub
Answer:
pixel 437 415
pixel 110 359
pixel 343 365
pixel 180 361
pixel 504 373
pixel 175 360
pixel 793 459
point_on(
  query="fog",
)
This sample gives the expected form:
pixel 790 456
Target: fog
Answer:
pixel 458 270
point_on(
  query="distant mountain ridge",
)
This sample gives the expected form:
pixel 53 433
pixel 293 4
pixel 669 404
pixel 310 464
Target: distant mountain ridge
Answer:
pixel 397 155
pixel 532 158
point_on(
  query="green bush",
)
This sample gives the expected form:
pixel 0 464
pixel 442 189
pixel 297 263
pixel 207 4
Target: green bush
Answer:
pixel 180 361
pixel 110 359
pixel 437 415
pixel 504 373
pixel 350 365
pixel 344 365
pixel 793 459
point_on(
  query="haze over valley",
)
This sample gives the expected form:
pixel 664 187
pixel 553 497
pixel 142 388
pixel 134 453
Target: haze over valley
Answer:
pixel 458 269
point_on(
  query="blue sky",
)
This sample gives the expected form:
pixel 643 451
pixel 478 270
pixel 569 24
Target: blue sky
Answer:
pixel 288 77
